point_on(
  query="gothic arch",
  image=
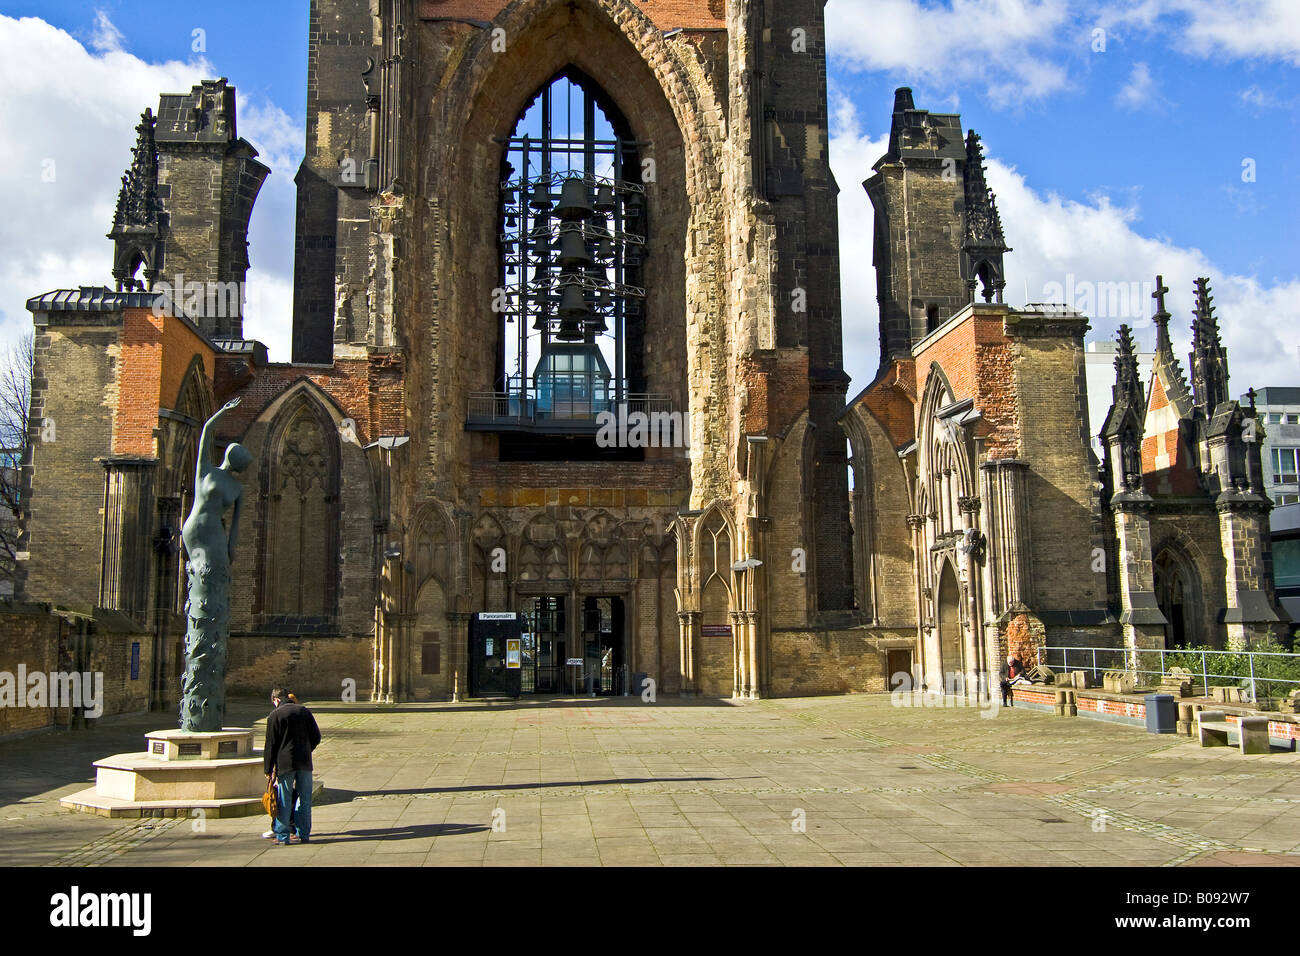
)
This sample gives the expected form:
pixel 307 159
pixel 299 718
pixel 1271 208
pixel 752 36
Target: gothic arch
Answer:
pixel 665 97
pixel 602 550
pixel 543 553
pixel 485 537
pixel 1178 579
pixel 948 619
pixel 482 69
pixel 715 548
pixel 945 467
pixel 714 544
pixel 298 583
pixel 433 548
pixel 193 405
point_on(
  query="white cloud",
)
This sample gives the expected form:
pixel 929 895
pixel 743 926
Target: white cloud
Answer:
pixel 1236 29
pixel 1140 91
pixel 1004 43
pixel 67 125
pixel 1060 244
pixel 107 38
pixel 1244 29
pixel 1091 250
pixel 1023 50
pixel 268 312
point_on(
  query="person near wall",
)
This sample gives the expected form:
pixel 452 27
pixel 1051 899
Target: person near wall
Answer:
pixel 291 736
pixel 1015 675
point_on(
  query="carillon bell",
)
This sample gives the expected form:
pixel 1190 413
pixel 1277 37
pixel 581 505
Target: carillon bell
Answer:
pixel 605 199
pixel 573 304
pixel 573 204
pixel 573 250
pixel 541 199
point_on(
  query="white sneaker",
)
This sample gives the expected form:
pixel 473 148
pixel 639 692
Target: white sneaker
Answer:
pixel 268 835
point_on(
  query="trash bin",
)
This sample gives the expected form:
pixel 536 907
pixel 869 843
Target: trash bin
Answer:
pixel 1162 714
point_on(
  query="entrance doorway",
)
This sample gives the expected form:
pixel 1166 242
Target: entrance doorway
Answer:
pixel 1175 587
pixel 950 656
pixel 602 643
pixel 495 655
pixel 898 669
pixel 545 644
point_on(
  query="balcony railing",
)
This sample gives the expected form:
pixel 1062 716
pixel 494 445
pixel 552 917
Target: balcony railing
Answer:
pixel 576 411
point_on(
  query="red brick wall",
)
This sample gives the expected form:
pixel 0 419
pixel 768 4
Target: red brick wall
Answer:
pixel 891 400
pixel 778 390
pixel 369 391
pixel 138 379
pixel 156 354
pixel 1179 476
pixel 976 356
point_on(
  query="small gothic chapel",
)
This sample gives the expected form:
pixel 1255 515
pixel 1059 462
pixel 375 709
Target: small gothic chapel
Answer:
pixel 567 350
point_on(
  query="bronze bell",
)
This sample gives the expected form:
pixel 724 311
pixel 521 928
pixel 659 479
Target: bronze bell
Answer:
pixel 573 304
pixel 573 204
pixel 605 199
pixel 541 197
pixel 573 250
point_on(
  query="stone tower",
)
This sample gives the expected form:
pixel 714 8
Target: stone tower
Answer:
pixel 183 210
pixel 938 235
pixel 433 130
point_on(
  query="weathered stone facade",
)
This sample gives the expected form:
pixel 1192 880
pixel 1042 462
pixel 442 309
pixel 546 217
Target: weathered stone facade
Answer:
pixel 380 515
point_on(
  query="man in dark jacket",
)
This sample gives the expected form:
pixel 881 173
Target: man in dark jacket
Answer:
pixel 291 736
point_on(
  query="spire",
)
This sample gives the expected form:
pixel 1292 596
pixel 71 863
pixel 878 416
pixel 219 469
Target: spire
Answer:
pixel 983 244
pixel 137 202
pixel 1166 363
pixel 1128 398
pixel 1161 318
pixel 983 224
pixel 1208 360
pixel 137 229
pixel 1128 382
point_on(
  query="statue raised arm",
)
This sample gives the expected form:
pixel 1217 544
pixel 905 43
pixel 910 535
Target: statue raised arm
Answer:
pixel 210 549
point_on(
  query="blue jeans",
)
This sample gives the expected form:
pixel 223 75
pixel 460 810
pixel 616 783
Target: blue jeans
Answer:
pixel 294 792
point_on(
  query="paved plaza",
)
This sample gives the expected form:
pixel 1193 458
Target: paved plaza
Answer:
pixel 812 781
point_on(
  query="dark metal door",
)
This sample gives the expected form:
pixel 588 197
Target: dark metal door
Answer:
pixel 490 656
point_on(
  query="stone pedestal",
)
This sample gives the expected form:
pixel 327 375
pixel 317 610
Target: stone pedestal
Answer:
pixel 177 774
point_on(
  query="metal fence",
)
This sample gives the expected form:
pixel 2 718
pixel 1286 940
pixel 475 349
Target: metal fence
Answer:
pixel 605 680
pixel 1260 674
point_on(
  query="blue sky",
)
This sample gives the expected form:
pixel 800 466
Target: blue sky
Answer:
pixel 1111 160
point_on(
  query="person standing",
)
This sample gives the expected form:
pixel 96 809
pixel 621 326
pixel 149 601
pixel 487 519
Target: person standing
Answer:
pixel 291 736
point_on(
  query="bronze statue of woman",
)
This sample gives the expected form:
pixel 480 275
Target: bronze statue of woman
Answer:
pixel 211 550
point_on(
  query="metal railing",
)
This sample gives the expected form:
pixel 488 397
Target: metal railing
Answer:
pixel 606 679
pixel 531 408
pixel 1252 671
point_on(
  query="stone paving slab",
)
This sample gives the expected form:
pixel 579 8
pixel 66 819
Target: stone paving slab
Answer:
pixel 849 781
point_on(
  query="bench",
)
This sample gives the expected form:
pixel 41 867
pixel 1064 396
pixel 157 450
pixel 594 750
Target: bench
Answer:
pixel 1252 732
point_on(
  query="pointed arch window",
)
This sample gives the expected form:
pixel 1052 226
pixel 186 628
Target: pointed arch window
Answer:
pixel 301 484
pixel 570 303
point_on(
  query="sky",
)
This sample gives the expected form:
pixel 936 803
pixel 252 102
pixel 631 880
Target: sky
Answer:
pixel 1123 140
